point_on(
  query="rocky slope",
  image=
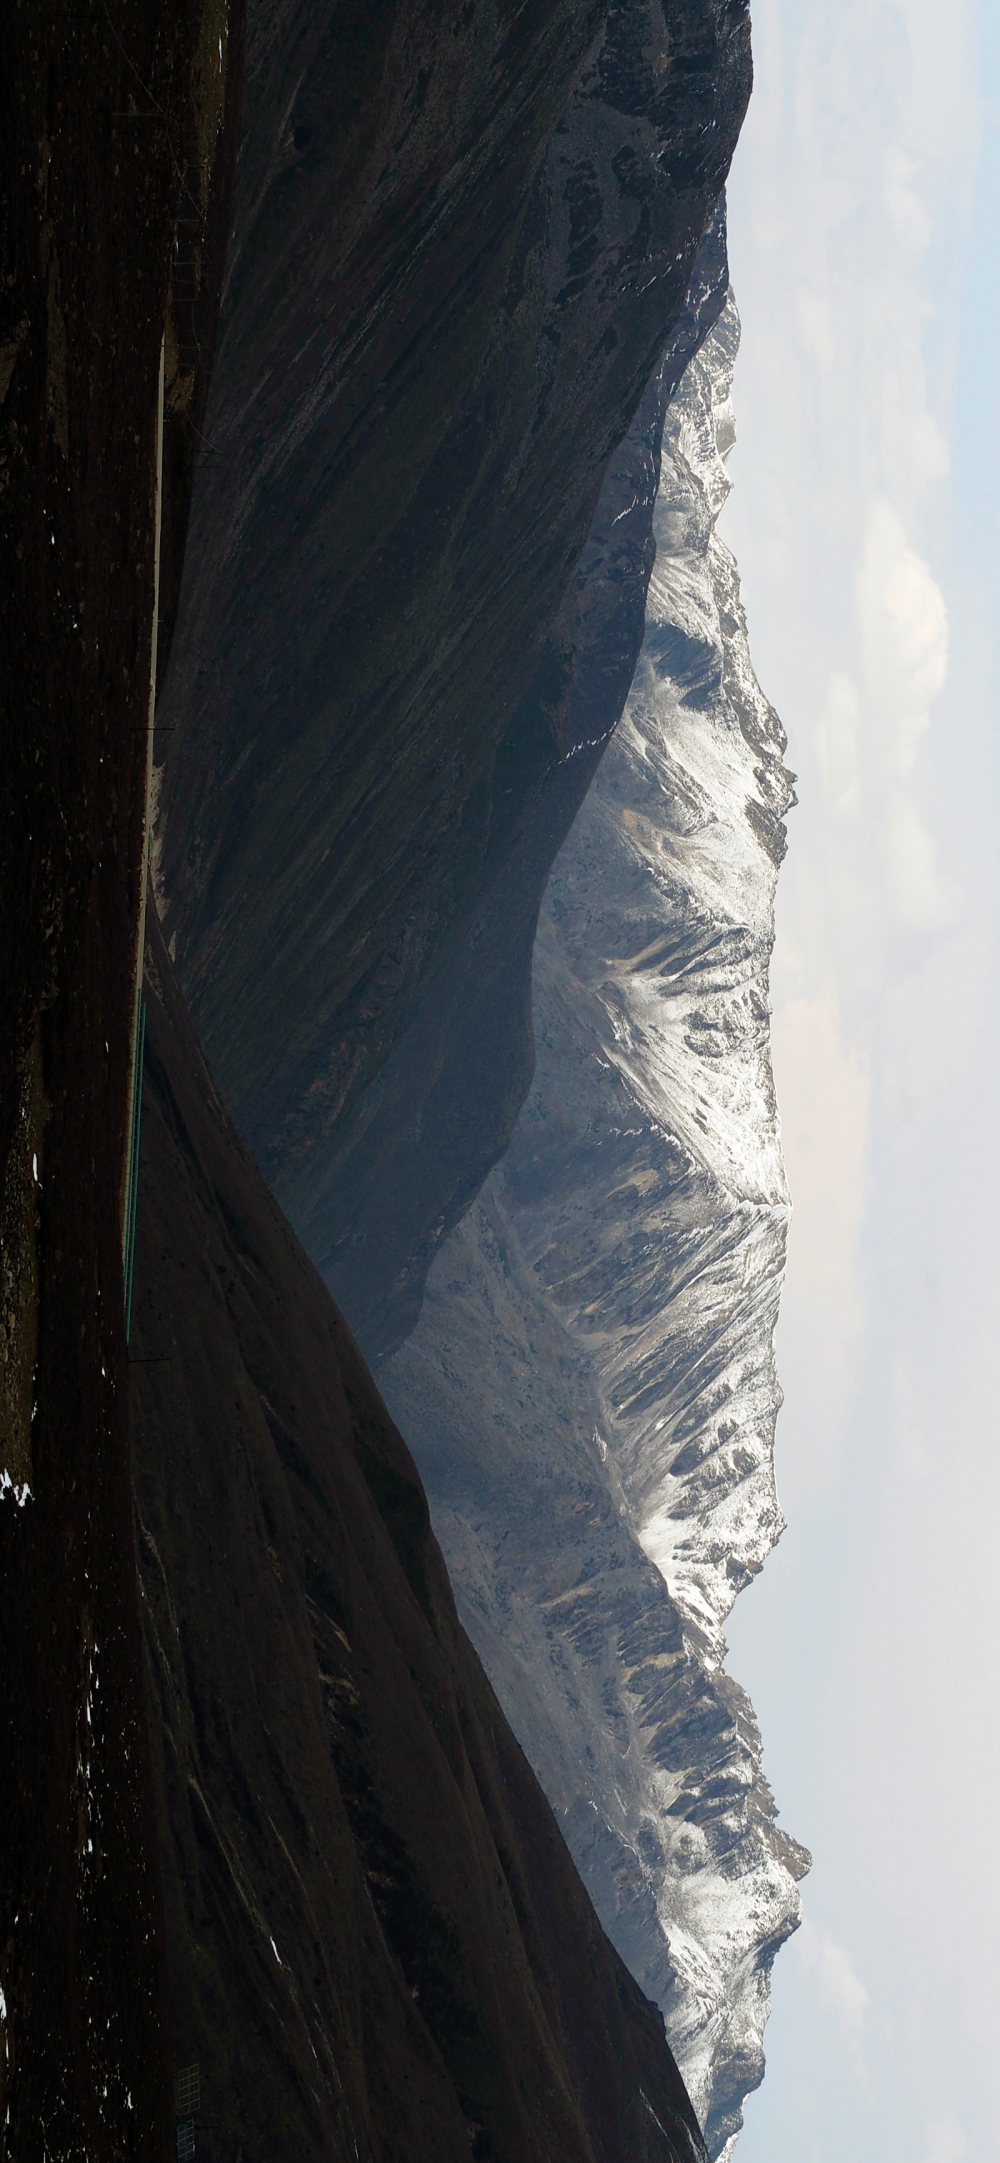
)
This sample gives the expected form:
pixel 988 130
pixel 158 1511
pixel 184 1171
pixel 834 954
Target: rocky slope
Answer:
pixel 463 236
pixel 591 1391
pixel 378 1945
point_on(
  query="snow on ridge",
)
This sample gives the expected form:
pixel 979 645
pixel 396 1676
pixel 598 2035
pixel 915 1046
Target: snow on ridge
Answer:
pixel 591 1392
pixel 663 1253
pixel 660 914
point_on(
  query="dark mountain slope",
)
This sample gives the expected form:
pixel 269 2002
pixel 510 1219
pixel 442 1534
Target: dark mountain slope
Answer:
pixel 378 1943
pixel 118 124
pixel 442 1108
pixel 463 237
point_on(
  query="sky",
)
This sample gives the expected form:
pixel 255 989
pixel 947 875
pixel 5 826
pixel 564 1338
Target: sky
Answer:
pixel 863 210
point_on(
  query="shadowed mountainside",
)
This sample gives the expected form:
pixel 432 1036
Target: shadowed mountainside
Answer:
pixel 373 1216
pixel 377 1941
pixel 448 292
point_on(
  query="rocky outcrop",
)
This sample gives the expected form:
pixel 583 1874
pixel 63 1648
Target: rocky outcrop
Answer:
pixel 462 241
pixel 591 1391
pixel 377 1941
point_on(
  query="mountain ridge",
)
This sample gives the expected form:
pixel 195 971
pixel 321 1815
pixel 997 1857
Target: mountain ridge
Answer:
pixel 434 336
pixel 591 1391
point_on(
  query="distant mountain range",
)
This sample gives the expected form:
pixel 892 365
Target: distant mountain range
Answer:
pixel 365 392
pixel 417 591
pixel 590 1391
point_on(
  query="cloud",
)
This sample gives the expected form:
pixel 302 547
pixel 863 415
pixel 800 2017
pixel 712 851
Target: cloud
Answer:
pixel 946 2142
pixel 909 1438
pixel 815 324
pixel 906 210
pixel 921 900
pixel 823 1099
pixel 904 633
pixel 904 625
pixel 928 451
pixel 838 746
pixel 839 1982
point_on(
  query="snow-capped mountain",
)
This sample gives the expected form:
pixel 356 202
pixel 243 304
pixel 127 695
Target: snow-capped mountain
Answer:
pixel 591 1391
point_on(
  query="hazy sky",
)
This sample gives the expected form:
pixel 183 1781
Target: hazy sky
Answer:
pixel 863 212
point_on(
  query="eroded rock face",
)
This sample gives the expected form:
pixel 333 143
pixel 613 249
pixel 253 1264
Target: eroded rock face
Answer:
pixel 591 1390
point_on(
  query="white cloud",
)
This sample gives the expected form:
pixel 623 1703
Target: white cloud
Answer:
pixel 904 636
pixel 815 322
pixel 823 1093
pixel 904 625
pixel 906 210
pixel 946 2142
pixel 928 449
pixel 921 900
pixel 909 1437
pixel 840 1984
pixel 838 746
